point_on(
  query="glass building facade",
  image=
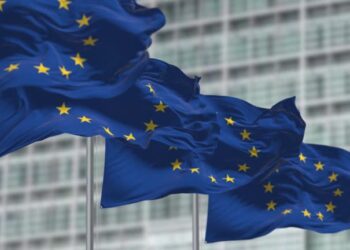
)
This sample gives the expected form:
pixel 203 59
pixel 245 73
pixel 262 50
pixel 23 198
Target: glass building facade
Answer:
pixel 258 50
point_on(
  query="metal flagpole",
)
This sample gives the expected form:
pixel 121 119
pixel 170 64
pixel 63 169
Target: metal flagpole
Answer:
pixel 195 222
pixel 90 194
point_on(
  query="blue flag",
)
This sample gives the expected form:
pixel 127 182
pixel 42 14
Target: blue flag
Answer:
pixel 82 67
pixel 250 142
pixel 161 105
pixel 308 191
pixel 76 48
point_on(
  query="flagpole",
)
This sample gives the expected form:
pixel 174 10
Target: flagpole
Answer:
pixel 90 194
pixel 195 222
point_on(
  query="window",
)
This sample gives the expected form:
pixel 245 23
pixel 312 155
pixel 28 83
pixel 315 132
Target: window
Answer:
pixel 315 87
pixel 80 216
pixel 347 83
pixel 210 8
pixel 211 53
pixel 17 175
pixel 187 10
pixel 170 207
pixel 14 223
pixel 238 6
pixel 238 47
pixel 52 171
pixel 315 133
pixel 319 37
pixel 316 35
pixel 263 45
pixel 58 218
pixel 36 221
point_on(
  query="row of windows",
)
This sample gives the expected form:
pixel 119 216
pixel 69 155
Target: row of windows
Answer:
pixel 183 11
pixel 337 133
pixel 323 83
pixel 328 82
pixel 208 50
pixel 38 221
pixel 242 6
pixel 322 34
pixel 50 171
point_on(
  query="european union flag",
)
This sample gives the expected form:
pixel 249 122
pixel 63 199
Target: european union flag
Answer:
pixel 308 191
pixel 250 142
pixel 82 67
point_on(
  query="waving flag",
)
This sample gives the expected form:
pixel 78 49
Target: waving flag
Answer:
pixel 308 191
pixel 251 142
pixel 76 48
pixel 82 67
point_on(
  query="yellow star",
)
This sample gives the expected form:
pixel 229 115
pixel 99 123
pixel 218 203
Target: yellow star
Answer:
pixel 108 131
pixel 333 177
pixel 78 60
pixel 306 213
pixel 319 166
pixel 176 165
pixel 302 157
pixel 245 135
pixel 130 137
pixel 229 179
pixel 84 119
pixel 229 121
pixel 160 107
pixel 287 211
pixel 64 4
pixel 194 170
pixel 172 148
pixel 330 207
pixel 268 187
pixel 12 67
pixel 84 21
pixel 2 2
pixel 151 89
pixel 212 179
pixel 64 110
pixel 254 152
pixel 65 72
pixel 90 41
pixel 150 126
pixel 243 167
pixel 320 216
pixel 338 192
pixel 271 205
pixel 42 69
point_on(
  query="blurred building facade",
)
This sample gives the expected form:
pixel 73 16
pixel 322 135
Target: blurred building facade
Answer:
pixel 258 50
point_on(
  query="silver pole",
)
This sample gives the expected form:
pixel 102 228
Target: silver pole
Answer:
pixel 90 194
pixel 195 222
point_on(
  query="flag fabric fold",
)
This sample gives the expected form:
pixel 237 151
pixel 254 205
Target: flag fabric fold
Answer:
pixel 250 142
pixel 82 67
pixel 155 108
pixel 308 191
pixel 74 48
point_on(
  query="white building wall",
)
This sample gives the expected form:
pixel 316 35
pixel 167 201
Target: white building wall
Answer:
pixel 258 50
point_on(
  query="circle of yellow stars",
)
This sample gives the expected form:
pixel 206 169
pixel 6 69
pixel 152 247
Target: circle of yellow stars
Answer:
pixel 329 207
